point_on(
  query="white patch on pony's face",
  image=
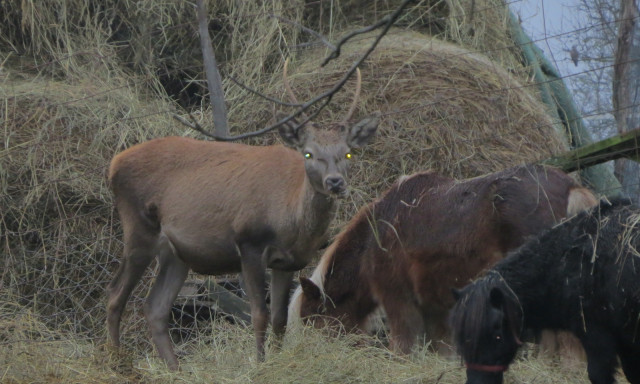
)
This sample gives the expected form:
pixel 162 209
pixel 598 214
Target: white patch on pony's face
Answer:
pixel 295 305
pixel 317 277
pixel 403 178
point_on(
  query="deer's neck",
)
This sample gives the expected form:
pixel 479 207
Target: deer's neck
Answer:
pixel 320 208
pixel 315 212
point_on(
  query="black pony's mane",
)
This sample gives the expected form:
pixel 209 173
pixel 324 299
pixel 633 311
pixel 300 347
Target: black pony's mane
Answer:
pixel 470 314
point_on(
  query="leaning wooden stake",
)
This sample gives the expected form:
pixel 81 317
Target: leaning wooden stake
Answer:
pixel 626 145
pixel 214 81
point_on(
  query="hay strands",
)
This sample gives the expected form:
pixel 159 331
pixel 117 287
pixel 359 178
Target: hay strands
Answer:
pixel 622 145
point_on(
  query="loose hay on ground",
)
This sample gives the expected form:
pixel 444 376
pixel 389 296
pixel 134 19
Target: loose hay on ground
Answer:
pixel 30 351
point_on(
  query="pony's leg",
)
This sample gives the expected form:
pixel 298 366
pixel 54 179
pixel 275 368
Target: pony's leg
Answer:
pixel 629 358
pixel 253 272
pixel 137 255
pixel 437 330
pixel 172 273
pixel 405 323
pixel 280 291
pixel 601 356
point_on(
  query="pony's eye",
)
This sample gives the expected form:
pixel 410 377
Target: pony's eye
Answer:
pixel 308 155
pixel 348 156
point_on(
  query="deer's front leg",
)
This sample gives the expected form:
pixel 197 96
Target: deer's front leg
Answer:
pixel 253 272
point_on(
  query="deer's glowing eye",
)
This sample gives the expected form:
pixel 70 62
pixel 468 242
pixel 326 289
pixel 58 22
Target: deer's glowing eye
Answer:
pixel 348 156
pixel 308 155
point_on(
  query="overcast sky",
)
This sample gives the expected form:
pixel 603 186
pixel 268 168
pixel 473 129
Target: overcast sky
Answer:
pixel 545 21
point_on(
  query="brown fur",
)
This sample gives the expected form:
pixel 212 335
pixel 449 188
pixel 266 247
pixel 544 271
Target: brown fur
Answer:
pixel 219 208
pixel 427 235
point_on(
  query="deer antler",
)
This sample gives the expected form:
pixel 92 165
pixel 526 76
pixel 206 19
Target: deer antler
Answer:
pixel 285 81
pixel 287 87
pixel 356 96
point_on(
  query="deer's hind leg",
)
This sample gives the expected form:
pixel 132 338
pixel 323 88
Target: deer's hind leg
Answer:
pixel 172 272
pixel 281 282
pixel 253 272
pixel 137 255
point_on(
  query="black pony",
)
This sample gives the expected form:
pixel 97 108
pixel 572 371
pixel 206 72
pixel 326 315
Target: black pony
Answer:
pixel 582 276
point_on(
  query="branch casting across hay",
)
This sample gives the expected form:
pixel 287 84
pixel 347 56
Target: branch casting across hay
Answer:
pixel 325 97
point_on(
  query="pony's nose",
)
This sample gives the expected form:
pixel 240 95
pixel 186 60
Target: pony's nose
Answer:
pixel 335 184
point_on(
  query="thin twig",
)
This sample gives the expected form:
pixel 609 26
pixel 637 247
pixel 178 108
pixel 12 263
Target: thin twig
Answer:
pixel 325 97
pixel 272 99
pixel 387 21
pixel 308 30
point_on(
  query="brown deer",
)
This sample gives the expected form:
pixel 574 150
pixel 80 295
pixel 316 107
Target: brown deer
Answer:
pixel 219 208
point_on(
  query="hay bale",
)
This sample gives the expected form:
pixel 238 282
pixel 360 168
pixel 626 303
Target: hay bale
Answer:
pixel 60 38
pixel 444 108
pixel 59 239
pixel 158 40
pixel 479 25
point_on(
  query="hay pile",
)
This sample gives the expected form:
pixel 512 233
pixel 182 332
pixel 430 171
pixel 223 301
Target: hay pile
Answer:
pixel 227 356
pixel 479 25
pixel 59 236
pixel 80 81
pixel 444 108
pixel 159 39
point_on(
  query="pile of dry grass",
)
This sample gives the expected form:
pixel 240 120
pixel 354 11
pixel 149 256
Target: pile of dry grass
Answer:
pixel 80 81
pixel 479 25
pixel 444 108
pixel 30 351
pixel 159 39
pixel 59 238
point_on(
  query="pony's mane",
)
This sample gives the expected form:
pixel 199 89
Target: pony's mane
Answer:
pixel 328 260
pixel 469 316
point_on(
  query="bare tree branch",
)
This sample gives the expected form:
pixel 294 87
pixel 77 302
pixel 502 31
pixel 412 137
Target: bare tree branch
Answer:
pixel 272 99
pixel 198 127
pixel 620 96
pixel 621 92
pixel 308 30
pixel 386 21
pixel 325 98
pixel 214 82
pixel 193 124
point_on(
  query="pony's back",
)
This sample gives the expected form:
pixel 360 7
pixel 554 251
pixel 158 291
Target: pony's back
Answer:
pixel 427 234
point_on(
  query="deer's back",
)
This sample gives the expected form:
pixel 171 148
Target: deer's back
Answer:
pixel 207 196
pixel 190 173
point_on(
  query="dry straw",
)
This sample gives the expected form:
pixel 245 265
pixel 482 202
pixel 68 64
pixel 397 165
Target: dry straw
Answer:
pixel 82 80
pixel 444 108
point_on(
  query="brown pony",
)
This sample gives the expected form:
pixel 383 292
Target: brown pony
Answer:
pixel 426 235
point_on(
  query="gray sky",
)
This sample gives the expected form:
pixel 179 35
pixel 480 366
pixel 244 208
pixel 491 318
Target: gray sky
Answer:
pixel 544 20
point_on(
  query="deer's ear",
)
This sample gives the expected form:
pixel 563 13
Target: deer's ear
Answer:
pixel 291 132
pixel 361 133
pixel 310 289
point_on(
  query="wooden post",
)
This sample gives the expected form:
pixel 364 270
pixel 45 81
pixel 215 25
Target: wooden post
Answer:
pixel 214 82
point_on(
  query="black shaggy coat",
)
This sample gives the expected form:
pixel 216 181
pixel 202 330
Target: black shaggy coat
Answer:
pixel 582 276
